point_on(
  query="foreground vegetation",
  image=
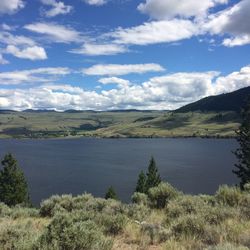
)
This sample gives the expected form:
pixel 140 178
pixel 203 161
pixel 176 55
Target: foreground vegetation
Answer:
pixel 163 219
pixel 117 124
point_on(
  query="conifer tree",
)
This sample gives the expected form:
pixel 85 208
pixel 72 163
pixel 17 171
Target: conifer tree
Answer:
pixel 243 152
pixel 13 186
pixel 141 183
pixel 153 177
pixel 111 194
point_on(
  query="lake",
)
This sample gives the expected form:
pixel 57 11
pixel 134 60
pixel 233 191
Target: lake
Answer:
pixel 77 165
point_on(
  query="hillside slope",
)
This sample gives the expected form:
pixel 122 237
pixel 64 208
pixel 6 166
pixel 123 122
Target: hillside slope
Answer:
pixel 233 101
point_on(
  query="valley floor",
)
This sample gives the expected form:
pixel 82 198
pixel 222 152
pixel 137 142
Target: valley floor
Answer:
pixel 134 124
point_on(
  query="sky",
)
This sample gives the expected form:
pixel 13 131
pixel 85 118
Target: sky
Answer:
pixel 121 54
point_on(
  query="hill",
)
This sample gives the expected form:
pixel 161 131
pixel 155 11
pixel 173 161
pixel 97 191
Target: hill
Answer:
pixel 233 101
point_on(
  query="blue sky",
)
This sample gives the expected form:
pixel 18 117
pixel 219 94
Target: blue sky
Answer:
pixel 121 54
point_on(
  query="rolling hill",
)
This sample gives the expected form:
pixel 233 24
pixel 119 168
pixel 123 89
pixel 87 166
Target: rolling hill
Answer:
pixel 233 101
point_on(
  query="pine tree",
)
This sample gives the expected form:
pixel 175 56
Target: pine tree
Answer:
pixel 243 152
pixel 153 177
pixel 111 194
pixel 141 183
pixel 13 186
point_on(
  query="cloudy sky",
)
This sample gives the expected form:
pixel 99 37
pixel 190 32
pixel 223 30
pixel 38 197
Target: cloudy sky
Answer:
pixel 121 54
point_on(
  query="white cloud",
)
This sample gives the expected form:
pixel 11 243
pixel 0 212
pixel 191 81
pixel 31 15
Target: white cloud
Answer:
pixel 115 80
pixel 6 27
pixel 156 32
pixel 39 75
pixel 234 21
pixel 22 47
pixel 10 6
pixel 167 9
pixel 55 32
pixel 2 60
pixel 100 49
pixel 122 69
pixel 57 8
pixel 95 2
pixel 237 41
pixel 233 81
pixel 165 92
pixel 32 53
pixel 8 38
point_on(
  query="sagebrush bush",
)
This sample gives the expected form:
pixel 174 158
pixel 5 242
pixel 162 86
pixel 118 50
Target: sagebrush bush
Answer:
pixel 217 215
pixel 190 225
pixel 139 198
pixel 159 196
pixel 4 210
pixel 24 212
pixel 112 224
pixel 86 202
pixel 73 231
pixel 230 196
pixel 184 204
pixel 137 212
pixel 20 236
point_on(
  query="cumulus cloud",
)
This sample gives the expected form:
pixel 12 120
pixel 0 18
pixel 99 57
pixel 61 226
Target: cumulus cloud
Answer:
pixel 10 6
pixel 57 8
pixel 32 53
pixel 34 76
pixel 164 92
pixel 115 80
pixel 122 69
pixel 234 21
pixel 168 9
pixel 95 2
pixel 22 47
pixel 233 81
pixel 100 49
pixel 55 32
pixel 156 32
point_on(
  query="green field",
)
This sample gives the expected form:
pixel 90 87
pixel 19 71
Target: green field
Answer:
pixel 117 124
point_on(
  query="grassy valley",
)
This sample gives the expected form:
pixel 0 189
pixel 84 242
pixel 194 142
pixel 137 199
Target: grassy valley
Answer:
pixel 214 116
pixel 117 124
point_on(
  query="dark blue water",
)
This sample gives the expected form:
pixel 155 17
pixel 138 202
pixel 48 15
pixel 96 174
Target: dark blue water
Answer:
pixel 92 165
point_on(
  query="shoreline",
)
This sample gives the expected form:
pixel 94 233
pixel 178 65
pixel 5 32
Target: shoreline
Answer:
pixel 119 137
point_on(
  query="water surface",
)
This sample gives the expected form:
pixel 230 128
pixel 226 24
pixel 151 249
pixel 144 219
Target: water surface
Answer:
pixel 92 165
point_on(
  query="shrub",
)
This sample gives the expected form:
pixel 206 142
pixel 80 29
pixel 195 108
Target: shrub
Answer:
pixel 47 206
pixel 230 196
pixel 22 212
pixel 4 210
pixel 246 187
pixel 139 198
pixel 189 225
pixel 216 215
pixel 18 236
pixel 73 231
pixel 155 232
pixel 160 195
pixel 112 224
pixel 183 205
pixel 212 235
pixel 137 212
